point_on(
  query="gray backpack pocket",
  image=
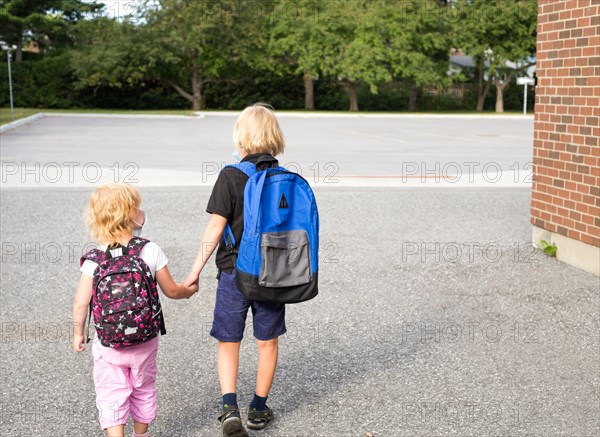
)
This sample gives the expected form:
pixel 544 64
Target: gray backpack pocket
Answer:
pixel 285 259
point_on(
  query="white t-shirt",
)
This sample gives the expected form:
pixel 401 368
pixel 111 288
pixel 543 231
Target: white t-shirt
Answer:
pixel 151 254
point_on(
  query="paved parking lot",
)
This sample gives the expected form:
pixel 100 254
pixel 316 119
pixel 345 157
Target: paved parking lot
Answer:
pixel 339 151
pixel 435 315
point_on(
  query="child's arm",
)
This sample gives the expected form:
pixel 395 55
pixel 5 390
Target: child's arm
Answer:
pixel 210 240
pixel 170 288
pixel 80 310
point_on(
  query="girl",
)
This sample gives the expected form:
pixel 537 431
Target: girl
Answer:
pixel 257 139
pixel 125 378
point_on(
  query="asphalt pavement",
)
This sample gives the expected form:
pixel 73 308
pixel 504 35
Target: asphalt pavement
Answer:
pixel 435 315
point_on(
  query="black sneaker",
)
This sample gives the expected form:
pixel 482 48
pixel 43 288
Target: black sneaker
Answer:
pixel 231 424
pixel 259 419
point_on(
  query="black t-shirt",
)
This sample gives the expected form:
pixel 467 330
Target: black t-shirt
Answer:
pixel 227 200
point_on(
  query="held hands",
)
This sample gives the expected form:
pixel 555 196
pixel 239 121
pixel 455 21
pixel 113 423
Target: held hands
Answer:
pixel 191 279
pixel 191 284
pixel 192 289
pixel 78 343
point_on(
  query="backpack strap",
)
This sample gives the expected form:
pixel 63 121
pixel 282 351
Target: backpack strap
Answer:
pixel 260 183
pixel 229 238
pixel 249 169
pixel 246 167
pixel 95 255
pixel 229 242
pixel 135 246
pixel 89 318
pixel 98 256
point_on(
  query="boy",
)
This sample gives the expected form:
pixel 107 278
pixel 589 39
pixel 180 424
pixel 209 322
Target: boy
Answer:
pixel 258 139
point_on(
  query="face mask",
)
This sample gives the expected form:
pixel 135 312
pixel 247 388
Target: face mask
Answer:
pixel 137 232
pixel 236 156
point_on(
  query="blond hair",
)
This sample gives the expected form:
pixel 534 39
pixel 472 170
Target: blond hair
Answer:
pixel 110 211
pixel 257 131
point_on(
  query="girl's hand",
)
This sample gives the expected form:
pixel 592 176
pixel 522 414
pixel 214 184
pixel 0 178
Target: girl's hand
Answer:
pixel 78 343
pixel 173 290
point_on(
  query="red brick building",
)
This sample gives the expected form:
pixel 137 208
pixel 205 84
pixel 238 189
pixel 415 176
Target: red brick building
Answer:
pixel 565 203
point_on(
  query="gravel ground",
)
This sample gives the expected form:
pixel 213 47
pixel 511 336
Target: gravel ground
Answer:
pixel 435 317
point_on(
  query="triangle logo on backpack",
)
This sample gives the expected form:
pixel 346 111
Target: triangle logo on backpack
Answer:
pixel 283 202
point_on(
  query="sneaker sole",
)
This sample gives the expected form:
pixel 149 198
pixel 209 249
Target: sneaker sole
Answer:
pixel 261 425
pixel 233 427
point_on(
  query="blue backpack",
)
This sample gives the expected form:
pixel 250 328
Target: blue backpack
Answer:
pixel 277 259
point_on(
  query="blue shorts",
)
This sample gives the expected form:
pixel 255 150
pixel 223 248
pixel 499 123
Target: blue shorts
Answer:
pixel 231 308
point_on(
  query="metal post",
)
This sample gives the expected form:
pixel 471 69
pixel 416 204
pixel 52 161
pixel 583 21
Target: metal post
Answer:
pixel 12 109
pixel 525 81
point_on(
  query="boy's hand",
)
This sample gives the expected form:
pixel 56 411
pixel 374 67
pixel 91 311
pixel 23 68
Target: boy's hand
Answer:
pixel 193 288
pixel 78 343
pixel 191 279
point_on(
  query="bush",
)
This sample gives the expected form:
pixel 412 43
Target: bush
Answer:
pixel 47 82
pixel 260 86
pixel 43 83
pixel 151 95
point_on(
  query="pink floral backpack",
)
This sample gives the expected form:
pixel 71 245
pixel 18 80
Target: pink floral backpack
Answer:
pixel 125 302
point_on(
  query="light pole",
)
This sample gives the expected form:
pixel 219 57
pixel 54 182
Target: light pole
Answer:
pixel 9 57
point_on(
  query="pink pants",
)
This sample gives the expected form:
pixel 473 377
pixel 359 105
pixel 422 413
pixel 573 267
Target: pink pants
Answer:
pixel 125 382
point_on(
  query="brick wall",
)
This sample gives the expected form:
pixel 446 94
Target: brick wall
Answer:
pixel 566 154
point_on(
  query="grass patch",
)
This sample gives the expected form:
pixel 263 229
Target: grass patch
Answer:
pixel 5 114
pixel 7 117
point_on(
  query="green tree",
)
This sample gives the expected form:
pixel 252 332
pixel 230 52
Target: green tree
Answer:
pixel 112 62
pixel 297 37
pixel 45 22
pixel 419 47
pixel 192 43
pixel 494 33
pixel 372 41
pixel 356 49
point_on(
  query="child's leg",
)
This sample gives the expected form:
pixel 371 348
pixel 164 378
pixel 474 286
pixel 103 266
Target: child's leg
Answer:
pixel 111 379
pixel 116 431
pixel 143 398
pixel 139 428
pixel 228 328
pixel 269 324
pixel 267 364
pixel 259 414
pixel 228 355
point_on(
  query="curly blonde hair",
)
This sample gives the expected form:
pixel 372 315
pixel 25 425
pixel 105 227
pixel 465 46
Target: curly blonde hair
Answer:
pixel 110 211
pixel 257 131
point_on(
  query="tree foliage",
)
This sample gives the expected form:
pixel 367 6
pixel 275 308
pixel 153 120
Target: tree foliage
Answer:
pixel 495 33
pixel 192 43
pixel 115 61
pixel 199 47
pixel 296 42
pixel 45 22
pixel 356 49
